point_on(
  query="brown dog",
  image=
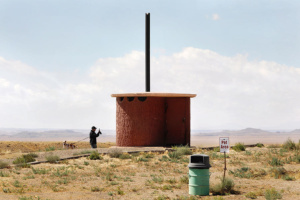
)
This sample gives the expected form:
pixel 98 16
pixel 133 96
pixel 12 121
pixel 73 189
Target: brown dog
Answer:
pixel 66 145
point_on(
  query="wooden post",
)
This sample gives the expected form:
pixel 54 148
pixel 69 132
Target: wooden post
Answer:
pixel 225 166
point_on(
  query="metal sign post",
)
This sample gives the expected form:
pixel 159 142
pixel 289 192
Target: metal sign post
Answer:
pixel 224 148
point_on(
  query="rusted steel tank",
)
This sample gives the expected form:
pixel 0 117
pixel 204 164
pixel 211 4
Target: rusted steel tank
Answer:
pixel 152 119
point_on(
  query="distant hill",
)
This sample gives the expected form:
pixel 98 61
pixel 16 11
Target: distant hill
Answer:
pixel 48 134
pixel 247 131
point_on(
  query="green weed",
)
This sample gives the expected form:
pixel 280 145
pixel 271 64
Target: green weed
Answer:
pixel 50 148
pixel 3 174
pixel 184 179
pixel 288 178
pixel 272 194
pixel 224 187
pixel 277 172
pixel 95 156
pixel 251 195
pixel 276 162
pixel 39 171
pixel 239 147
pixel 115 153
pixel 125 156
pixel 52 158
pixel 3 165
pixel 289 145
pixel 260 145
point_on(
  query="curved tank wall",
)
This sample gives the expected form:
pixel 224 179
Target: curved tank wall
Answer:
pixel 140 123
pixel 152 121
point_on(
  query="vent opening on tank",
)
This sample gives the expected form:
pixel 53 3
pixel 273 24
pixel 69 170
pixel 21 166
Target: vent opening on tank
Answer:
pixel 130 98
pixel 142 98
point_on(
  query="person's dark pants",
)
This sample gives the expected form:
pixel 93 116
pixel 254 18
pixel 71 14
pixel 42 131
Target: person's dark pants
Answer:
pixel 94 146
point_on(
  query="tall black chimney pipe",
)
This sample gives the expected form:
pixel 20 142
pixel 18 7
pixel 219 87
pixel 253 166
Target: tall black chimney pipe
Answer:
pixel 147 51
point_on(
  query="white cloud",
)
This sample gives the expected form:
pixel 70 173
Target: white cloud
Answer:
pixel 215 17
pixel 232 92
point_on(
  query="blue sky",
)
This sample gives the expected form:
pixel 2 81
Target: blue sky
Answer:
pixel 58 54
pixel 66 35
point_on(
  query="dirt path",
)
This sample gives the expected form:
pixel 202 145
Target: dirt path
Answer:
pixel 77 153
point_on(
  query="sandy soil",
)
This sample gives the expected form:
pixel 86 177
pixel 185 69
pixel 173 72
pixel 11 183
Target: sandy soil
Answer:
pixel 145 175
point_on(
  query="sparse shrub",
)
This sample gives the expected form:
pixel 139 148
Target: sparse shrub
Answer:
pixel 142 159
pixel 86 163
pixel 3 165
pixel 216 149
pixel 24 159
pixel 136 154
pixel 114 183
pixel 289 145
pixel 50 149
pixel 52 158
pixel 86 152
pixel 218 198
pixel 166 187
pixel 63 181
pixel 251 195
pixel 184 179
pixel 276 162
pixel 296 158
pixel 125 156
pixel 30 157
pixel 175 155
pixel 115 153
pixel 3 174
pixel 164 159
pixel 109 176
pixel 119 191
pixel 95 156
pixel 239 147
pixel 246 172
pixel 111 193
pixel 6 190
pixel 28 198
pixel 288 178
pixel 17 183
pixel 272 194
pixel 148 155
pixel 243 172
pixel 157 179
pixel 28 177
pixel 274 146
pixel 162 197
pixel 39 171
pixel 214 155
pixel 171 180
pixel 260 145
pixel 21 162
pixel 95 189
pixel 184 150
pixel 277 172
pixel 224 187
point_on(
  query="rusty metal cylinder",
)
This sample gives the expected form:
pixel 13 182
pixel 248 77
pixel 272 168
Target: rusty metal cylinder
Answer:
pixel 157 120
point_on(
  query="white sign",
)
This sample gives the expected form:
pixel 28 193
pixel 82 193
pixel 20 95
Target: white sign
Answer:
pixel 224 144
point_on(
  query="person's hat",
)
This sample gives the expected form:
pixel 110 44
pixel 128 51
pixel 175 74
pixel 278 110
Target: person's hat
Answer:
pixel 94 127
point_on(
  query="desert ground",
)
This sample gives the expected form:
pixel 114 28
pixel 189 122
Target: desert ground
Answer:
pixel 257 172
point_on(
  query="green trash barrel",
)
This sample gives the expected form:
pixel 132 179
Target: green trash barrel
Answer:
pixel 199 174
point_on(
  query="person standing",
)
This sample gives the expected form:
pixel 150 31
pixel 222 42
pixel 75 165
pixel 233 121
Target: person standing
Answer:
pixel 93 137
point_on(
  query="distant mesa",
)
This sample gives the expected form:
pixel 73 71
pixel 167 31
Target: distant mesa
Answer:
pixel 253 130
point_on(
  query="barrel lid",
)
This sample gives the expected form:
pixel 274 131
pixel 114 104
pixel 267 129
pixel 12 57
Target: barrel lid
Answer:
pixel 199 161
